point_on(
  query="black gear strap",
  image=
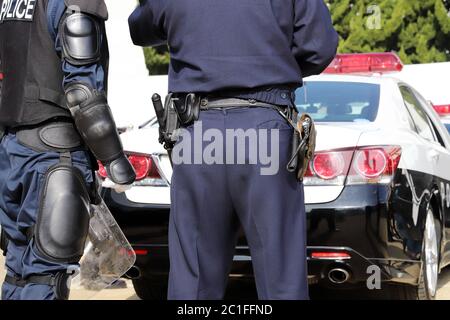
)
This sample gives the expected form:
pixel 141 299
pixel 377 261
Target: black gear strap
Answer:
pixel 15 281
pixel 4 240
pixel 47 280
pixel 56 136
pixel 59 282
pixel 94 7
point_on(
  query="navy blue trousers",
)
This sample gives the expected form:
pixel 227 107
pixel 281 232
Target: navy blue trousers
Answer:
pixel 209 202
pixel 22 175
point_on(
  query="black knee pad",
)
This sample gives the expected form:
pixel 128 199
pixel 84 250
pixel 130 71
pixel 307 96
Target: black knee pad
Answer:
pixel 63 219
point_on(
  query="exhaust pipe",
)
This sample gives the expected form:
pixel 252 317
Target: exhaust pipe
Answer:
pixel 338 276
pixel 134 273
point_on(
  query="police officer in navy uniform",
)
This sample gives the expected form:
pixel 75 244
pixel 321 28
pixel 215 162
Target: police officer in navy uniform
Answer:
pixel 57 121
pixel 239 57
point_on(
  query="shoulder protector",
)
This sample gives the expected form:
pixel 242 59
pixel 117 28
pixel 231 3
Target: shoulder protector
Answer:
pixel 80 36
pixel 94 7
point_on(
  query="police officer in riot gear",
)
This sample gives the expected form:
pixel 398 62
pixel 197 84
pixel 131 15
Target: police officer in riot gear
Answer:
pixel 240 63
pixel 56 122
pixel 1 80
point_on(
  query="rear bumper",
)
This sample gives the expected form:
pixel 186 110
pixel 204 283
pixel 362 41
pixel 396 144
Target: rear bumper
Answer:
pixel 357 223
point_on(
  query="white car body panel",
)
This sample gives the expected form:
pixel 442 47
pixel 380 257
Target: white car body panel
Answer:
pixel 150 195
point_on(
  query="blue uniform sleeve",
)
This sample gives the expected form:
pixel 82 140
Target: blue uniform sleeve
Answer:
pixel 315 39
pixel 147 23
pixel 92 75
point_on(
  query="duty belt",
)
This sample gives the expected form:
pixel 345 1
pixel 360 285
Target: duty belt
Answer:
pixel 230 103
pixel 183 110
pixel 225 103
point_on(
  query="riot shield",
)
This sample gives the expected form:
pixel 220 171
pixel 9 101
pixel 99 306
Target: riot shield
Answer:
pixel 107 257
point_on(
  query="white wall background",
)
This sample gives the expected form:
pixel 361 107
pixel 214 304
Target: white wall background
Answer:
pixel 431 80
pixel 130 87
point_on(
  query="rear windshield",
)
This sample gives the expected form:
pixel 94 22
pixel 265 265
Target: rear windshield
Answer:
pixel 332 101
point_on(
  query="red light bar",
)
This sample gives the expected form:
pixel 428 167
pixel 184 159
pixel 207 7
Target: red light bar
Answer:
pixel 330 255
pixel 365 63
pixel 1 76
pixel 443 110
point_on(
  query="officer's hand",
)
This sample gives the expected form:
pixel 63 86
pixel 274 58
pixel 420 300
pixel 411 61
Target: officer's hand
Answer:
pixel 119 188
pixel 120 171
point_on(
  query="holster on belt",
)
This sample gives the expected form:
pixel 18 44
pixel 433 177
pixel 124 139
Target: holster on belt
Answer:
pixel 179 110
pixel 303 145
pixel 187 107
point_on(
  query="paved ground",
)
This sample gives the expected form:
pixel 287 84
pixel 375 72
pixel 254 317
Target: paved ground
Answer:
pixel 109 294
pixel 128 292
pixel 444 285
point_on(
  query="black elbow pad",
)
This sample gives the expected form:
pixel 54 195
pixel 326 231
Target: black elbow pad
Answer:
pixel 81 39
pixel 95 123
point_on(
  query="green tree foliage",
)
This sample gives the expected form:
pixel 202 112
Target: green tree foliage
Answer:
pixel 419 30
pixel 157 60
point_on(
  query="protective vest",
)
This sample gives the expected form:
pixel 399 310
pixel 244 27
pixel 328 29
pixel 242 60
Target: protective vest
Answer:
pixel 33 79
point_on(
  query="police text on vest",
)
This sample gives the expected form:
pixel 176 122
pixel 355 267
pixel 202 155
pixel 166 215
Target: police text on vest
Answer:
pixel 17 10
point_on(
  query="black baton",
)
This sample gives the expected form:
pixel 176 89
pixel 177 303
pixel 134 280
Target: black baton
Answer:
pixel 159 110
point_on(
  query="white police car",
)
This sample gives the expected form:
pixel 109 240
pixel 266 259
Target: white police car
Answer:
pixel 377 192
pixel 444 112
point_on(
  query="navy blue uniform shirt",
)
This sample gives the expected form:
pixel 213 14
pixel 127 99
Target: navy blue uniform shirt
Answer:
pixel 92 75
pixel 220 45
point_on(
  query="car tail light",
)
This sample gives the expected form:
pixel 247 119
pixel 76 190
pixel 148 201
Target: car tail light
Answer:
pixel 374 165
pixel 141 252
pixel 370 163
pixel 329 167
pixel 147 173
pixel 330 255
pixel 364 165
pixel 142 166
pixel 365 63
pixel 126 252
pixel 102 170
pixel 443 110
